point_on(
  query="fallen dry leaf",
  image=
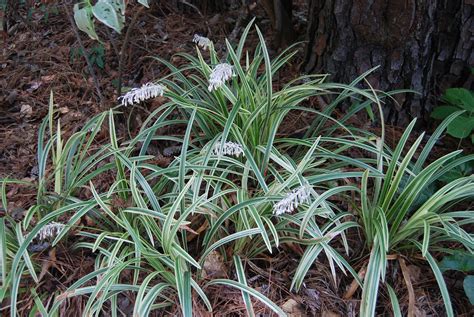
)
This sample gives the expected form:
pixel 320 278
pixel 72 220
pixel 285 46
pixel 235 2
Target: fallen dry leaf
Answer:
pixel 47 78
pixel 411 292
pixel 34 85
pixel 292 308
pixel 414 272
pixel 26 111
pixel 64 110
pixel 214 266
pixel 48 263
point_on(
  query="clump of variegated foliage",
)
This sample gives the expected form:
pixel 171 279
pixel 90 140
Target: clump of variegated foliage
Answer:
pixel 256 189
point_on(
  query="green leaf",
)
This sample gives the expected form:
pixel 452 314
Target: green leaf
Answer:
pixel 433 139
pixel 423 196
pixel 241 275
pixel 460 261
pixel 441 283
pixel 468 285
pixel 84 22
pixel 3 252
pixel 461 127
pixel 394 300
pixel 458 171
pixel 377 262
pixel 144 2
pixel 119 6
pixel 38 304
pixel 183 284
pixel 442 112
pixel 106 13
pixel 460 97
pixel 100 62
pixel 262 298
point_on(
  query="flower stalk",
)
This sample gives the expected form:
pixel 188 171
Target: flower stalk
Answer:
pixel 49 231
pixel 292 200
pixel 145 92
pixel 229 148
pixel 219 75
pixel 202 41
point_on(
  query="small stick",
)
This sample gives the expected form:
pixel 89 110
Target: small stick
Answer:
pixel 81 44
pixel 411 292
pixel 355 285
pixel 124 47
pixel 112 41
pixel 192 6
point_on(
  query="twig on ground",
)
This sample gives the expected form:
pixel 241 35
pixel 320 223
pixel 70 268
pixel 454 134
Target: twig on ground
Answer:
pixel 125 46
pixel 192 6
pixel 81 44
pixel 411 292
pixel 355 285
pixel 112 41
pixel 238 25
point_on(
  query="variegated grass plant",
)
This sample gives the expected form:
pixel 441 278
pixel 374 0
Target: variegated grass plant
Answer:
pixel 235 98
pixel 397 217
pixel 236 187
pixel 65 168
pixel 225 183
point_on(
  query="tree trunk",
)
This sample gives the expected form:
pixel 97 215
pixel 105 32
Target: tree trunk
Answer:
pixel 280 14
pixel 212 6
pixel 278 11
pixel 424 45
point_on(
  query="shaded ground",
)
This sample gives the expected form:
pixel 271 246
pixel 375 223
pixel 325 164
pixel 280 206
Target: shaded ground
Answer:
pixel 41 54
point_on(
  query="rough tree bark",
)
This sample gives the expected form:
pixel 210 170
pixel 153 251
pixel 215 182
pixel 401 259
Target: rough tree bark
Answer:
pixel 280 14
pixel 424 45
pixel 210 6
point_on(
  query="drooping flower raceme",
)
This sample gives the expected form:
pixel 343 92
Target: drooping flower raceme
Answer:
pixel 292 200
pixel 137 95
pixel 219 75
pixel 229 148
pixel 50 230
pixel 202 41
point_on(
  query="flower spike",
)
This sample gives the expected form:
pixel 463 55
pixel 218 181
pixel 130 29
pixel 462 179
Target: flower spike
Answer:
pixel 229 148
pixel 51 230
pixel 292 200
pixel 202 41
pixel 137 95
pixel 219 75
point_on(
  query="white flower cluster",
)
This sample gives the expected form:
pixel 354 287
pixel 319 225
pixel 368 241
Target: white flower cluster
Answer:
pixel 219 75
pixel 50 230
pixel 229 148
pixel 137 95
pixel 202 41
pixel 292 200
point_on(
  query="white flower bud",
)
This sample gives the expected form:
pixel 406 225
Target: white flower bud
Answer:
pixel 219 75
pixel 137 95
pixel 202 41
pixel 229 148
pixel 292 200
pixel 50 230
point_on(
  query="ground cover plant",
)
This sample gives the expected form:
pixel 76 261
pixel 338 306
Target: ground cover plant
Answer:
pixel 456 99
pixel 396 216
pixel 110 13
pixel 235 186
